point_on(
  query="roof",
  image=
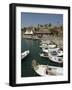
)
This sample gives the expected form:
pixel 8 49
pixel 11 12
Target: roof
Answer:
pixel 28 32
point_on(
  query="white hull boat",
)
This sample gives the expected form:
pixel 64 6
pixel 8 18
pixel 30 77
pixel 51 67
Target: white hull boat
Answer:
pixel 52 46
pixel 55 55
pixel 55 58
pixel 45 50
pixel 54 51
pixel 24 54
pixel 48 46
pixel 46 70
pixel 45 42
pixel 43 46
pixel 45 55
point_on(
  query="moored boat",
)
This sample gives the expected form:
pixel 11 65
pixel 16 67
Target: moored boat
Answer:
pixel 43 46
pixel 45 42
pixel 45 55
pixel 46 70
pixel 56 58
pixel 24 54
pixel 54 51
pixel 48 44
pixel 55 55
pixel 52 46
pixel 45 50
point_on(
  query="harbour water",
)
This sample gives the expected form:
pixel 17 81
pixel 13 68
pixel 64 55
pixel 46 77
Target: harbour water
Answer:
pixel 35 50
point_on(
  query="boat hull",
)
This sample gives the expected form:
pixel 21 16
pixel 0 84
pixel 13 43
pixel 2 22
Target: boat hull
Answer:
pixel 24 54
pixel 52 70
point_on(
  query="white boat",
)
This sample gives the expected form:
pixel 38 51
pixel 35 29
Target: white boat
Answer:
pixel 54 51
pixel 47 42
pixel 48 46
pixel 56 58
pixel 24 54
pixel 52 46
pixel 45 50
pixel 46 70
pixel 50 50
pixel 44 55
pixel 43 46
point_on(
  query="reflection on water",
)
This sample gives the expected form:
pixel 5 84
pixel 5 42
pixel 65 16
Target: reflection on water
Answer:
pixel 35 50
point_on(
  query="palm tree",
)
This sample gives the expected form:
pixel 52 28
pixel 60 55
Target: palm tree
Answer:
pixel 50 25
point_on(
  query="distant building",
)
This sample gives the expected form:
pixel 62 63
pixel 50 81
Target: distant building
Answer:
pixel 43 31
pixel 29 32
pixel 35 32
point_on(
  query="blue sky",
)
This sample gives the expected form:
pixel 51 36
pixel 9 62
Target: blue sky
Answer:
pixel 33 19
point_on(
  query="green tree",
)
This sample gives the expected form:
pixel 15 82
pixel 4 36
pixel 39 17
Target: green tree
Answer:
pixel 50 25
pixel 61 27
